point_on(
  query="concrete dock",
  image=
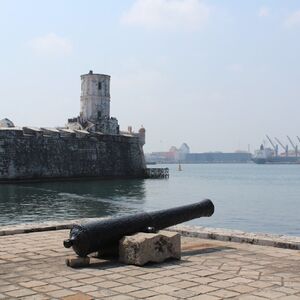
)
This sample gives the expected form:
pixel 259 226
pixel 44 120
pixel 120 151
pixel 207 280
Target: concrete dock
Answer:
pixel 32 266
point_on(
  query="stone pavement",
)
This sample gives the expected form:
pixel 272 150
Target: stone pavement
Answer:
pixel 32 266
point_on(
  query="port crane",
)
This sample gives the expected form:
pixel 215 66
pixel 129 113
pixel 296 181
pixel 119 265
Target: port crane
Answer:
pixel 285 148
pixel 273 145
pixel 293 145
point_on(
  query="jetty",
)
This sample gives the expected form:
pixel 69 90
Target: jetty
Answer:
pixel 157 173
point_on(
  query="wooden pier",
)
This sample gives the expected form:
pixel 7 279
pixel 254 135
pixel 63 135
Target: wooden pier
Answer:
pixel 157 173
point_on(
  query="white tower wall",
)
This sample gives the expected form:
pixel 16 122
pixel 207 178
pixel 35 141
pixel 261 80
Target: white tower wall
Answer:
pixel 95 96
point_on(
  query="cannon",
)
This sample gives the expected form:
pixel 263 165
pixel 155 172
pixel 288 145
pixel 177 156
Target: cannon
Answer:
pixel 106 233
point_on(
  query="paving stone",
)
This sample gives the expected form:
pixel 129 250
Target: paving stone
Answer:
pixel 129 280
pixel 124 289
pixel 20 293
pixel 184 284
pixel 204 297
pixel 58 279
pixel 90 280
pixel 186 276
pixel 250 297
pixel 222 284
pixel 222 276
pixel 224 294
pixel 108 284
pixel 270 294
pixel 134 272
pixel 46 288
pixel 70 284
pixel 261 284
pixel 292 284
pixel 85 288
pixel 146 284
pixel 61 293
pixel 141 294
pixel 182 294
pixel 163 289
pixel 167 280
pixel 149 276
pixel 32 283
pixel 78 276
pixel 240 280
pixel 35 297
pixel 202 289
pixel 290 297
pixel 203 280
pixel 121 297
pixel 285 290
pixel 102 293
pixel 242 289
pixel 4 282
pixel 78 296
pixel 162 297
pixel 7 288
pixel 114 276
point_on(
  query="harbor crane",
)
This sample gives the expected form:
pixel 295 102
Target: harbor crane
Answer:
pixel 293 145
pixel 273 145
pixel 285 148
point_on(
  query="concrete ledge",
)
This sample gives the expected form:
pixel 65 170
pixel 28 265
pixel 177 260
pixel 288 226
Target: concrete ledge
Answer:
pixel 228 235
pixel 38 227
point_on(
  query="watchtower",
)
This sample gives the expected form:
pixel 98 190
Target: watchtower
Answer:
pixel 95 97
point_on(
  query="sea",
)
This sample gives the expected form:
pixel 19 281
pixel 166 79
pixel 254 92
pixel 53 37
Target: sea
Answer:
pixel 248 197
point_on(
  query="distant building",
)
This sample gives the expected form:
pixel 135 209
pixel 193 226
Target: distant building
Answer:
pixel 183 155
pixel 174 155
pixel 218 157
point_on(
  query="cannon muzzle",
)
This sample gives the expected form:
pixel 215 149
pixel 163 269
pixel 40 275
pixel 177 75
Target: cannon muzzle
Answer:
pixel 97 235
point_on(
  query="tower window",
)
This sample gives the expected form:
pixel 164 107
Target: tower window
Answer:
pixel 99 85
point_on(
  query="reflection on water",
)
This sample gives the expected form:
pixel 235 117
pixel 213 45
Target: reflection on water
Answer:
pixel 250 197
pixel 67 200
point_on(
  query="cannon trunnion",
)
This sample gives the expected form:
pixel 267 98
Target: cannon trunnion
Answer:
pixel 97 235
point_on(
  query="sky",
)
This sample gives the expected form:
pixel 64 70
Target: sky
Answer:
pixel 218 75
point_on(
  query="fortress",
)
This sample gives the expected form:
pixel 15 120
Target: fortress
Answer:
pixel 90 145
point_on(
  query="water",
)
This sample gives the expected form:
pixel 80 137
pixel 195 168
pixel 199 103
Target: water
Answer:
pixel 257 198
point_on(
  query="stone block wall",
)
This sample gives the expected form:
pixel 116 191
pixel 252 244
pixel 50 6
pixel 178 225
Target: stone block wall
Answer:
pixel 40 156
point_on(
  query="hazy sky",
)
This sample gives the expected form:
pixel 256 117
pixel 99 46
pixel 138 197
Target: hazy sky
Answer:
pixel 217 75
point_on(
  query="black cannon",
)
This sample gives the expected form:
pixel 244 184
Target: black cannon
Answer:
pixel 102 234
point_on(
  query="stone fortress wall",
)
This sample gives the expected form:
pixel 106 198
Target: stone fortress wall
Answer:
pixel 81 149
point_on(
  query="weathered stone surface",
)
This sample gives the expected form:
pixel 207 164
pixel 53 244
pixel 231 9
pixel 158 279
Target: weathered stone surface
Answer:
pixel 27 157
pixel 141 248
pixel 79 296
pixel 77 262
pixel 253 272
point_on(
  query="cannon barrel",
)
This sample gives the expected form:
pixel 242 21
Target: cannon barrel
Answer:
pixel 97 235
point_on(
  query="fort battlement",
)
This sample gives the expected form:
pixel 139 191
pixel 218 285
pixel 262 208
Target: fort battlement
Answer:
pixel 40 155
pixel 90 145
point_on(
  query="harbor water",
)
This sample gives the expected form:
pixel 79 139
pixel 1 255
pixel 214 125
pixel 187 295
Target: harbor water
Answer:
pixel 248 197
